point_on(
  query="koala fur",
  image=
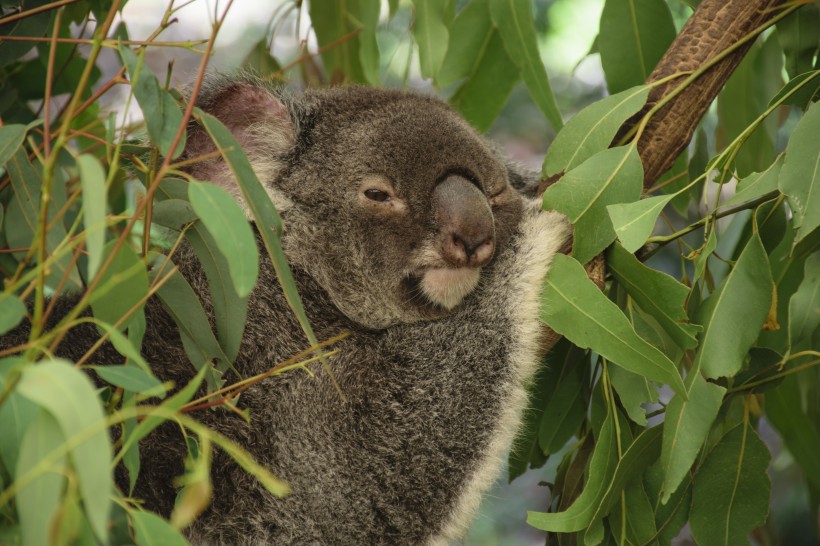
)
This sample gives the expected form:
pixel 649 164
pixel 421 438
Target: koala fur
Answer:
pixel 442 341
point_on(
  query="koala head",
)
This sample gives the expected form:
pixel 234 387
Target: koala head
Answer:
pixel 390 200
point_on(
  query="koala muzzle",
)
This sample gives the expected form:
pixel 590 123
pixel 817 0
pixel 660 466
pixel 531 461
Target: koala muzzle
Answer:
pixel 465 221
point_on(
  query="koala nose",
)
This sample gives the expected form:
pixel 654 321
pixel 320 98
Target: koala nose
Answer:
pixel 465 223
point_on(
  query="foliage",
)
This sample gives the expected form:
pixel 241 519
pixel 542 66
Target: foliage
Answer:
pixel 651 401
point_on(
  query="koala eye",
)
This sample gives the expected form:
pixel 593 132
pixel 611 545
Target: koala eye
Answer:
pixel 376 195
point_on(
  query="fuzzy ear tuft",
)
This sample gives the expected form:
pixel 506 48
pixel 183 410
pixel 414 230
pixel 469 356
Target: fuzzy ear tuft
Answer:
pixel 261 123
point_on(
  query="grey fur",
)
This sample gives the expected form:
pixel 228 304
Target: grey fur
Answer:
pixel 433 397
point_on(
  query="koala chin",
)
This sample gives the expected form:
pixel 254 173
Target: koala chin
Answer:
pixel 407 229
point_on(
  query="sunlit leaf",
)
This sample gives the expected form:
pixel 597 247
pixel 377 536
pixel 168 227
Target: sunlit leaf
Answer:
pixel 70 397
pixel 633 36
pixel 513 18
pixel 657 293
pixel 226 223
pixel 574 307
pixel 800 175
pixel 152 530
pixel 592 129
pixel 734 314
pixel 634 222
pixel 612 176
pixel 685 428
pixel 92 178
pixel 730 496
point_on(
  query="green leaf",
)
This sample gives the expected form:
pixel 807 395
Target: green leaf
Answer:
pixel 92 178
pixel 16 414
pixel 339 37
pixel 731 492
pixel 230 310
pixel 799 35
pixel 632 38
pixel 733 315
pixel 174 213
pixel 12 311
pixel 565 406
pixel 431 33
pixel 121 286
pixel 672 516
pixel 756 185
pixel 124 346
pixel 592 129
pixel 226 223
pixel 800 176
pixel 11 138
pixel 657 293
pixel 573 306
pixel 199 342
pixel 70 397
pixel 38 501
pixel 634 391
pixel 130 378
pixel 808 85
pixel 639 516
pixel 804 310
pixel 161 112
pixel 263 211
pixel 685 429
pixel 800 433
pixel 23 216
pixel 634 222
pixel 612 176
pixel 601 468
pixel 152 530
pixel 259 59
pixel 364 14
pixel 513 18
pixel 476 52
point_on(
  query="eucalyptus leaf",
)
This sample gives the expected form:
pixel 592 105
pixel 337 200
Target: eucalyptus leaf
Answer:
pixel 756 185
pixel 470 34
pixel 574 307
pixel 799 35
pixel 121 285
pixel 612 176
pixel 800 175
pixel 70 397
pixel 633 391
pixel 632 38
pixel 802 90
pixel 11 138
pixel 430 30
pixel 226 223
pixel 734 314
pixel 685 429
pixel 804 309
pixel 513 18
pixel 730 496
pixel 92 178
pixel 12 311
pixel 130 378
pixel 152 530
pixel 592 129
pixel 634 222
pixel 565 407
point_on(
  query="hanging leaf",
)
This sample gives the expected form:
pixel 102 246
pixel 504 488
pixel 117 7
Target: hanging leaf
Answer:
pixel 592 129
pixel 121 286
pixel 565 407
pixel 130 378
pixel 152 530
pixel 11 138
pixel 734 314
pixel 800 91
pixel 799 35
pixel 727 505
pixel 12 311
pixel 92 178
pixel 632 38
pixel 657 293
pixel 513 18
pixel 633 391
pixel 430 30
pixel 804 311
pixel 226 223
pixel 800 176
pixel 612 176
pixel 574 307
pixel 685 428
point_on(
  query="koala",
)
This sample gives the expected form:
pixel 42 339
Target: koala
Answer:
pixel 406 229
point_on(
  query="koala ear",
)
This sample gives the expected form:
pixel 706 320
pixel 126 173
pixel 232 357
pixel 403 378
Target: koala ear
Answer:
pixel 261 123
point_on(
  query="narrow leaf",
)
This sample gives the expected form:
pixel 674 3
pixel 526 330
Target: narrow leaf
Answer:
pixel 431 33
pixel 634 391
pixel 685 429
pixel 121 286
pixel 12 311
pixel 70 397
pixel 800 176
pixel 226 223
pixel 734 314
pixel 574 307
pixel 730 496
pixel 592 129
pixel 656 292
pixel 804 305
pixel 633 36
pixel 612 176
pixel 11 138
pixel 565 407
pixel 130 378
pixel 513 18
pixel 92 178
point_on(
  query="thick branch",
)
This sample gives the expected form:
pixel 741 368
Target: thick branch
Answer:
pixel 715 26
